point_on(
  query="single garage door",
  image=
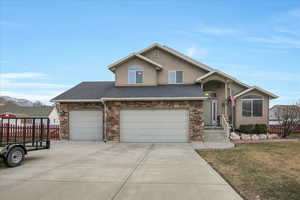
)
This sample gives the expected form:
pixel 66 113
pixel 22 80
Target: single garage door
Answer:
pixel 86 125
pixel 154 125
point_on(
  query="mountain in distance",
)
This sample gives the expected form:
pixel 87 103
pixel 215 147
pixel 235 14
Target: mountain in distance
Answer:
pixel 4 100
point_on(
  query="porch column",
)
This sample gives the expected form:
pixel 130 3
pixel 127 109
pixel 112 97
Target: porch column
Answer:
pixel 226 95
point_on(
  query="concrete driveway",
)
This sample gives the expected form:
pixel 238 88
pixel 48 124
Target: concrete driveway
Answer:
pixel 94 170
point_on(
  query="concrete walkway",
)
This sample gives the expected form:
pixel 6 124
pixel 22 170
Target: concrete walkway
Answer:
pixel 94 170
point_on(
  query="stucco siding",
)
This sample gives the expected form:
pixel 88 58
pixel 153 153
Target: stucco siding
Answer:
pixel 236 88
pixel 170 62
pixel 121 73
pixel 252 120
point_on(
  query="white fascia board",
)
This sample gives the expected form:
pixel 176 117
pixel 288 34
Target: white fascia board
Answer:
pixel 76 100
pixel 148 60
pixel 154 99
pixel 111 67
pixel 222 74
pixel 258 89
pixel 205 76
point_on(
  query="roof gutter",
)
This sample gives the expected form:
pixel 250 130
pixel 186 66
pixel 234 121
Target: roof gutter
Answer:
pixel 130 99
pixel 258 89
pixel 154 99
pixel 76 100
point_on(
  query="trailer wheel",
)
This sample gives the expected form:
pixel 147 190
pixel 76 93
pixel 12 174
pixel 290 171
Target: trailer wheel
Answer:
pixel 15 157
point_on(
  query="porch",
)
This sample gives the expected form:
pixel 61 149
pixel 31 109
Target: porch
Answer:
pixel 217 111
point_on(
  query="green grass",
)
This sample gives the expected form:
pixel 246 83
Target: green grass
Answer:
pixel 268 170
pixel 294 136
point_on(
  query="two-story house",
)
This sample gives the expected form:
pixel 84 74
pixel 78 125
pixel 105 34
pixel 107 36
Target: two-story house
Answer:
pixel 159 95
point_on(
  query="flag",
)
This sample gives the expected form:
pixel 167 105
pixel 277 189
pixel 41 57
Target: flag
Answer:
pixel 232 99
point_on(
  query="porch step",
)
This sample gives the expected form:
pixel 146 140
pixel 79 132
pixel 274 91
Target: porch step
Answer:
pixel 215 136
pixel 213 128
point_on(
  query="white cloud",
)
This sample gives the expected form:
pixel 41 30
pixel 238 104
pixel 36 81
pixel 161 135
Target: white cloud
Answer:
pixel 10 85
pixel 277 40
pixel 217 31
pixel 195 51
pixel 252 72
pixel 208 30
pixel 21 75
pixel 6 82
pixel 287 31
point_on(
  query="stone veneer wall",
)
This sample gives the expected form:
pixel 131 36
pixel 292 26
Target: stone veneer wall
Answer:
pixel 113 115
pixel 66 108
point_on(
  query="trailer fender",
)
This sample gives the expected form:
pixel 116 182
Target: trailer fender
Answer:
pixel 7 149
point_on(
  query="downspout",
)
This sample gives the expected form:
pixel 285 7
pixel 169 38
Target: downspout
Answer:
pixel 104 121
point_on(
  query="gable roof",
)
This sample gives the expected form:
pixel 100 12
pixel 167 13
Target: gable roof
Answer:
pixel 114 65
pixel 222 74
pixel 177 54
pixel 258 89
pixel 97 91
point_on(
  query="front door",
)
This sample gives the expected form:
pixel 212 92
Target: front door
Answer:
pixel 214 111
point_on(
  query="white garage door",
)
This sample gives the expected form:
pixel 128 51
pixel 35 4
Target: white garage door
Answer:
pixel 154 125
pixel 86 125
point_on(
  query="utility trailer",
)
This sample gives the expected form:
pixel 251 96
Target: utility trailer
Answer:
pixel 18 136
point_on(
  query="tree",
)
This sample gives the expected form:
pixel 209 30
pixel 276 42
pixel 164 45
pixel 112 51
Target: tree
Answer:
pixel 288 117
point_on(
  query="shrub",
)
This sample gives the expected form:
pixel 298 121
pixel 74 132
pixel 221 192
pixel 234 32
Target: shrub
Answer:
pixel 261 128
pixel 247 128
pixel 253 128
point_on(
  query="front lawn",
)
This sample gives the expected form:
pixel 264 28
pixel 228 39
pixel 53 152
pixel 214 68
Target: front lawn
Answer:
pixel 294 136
pixel 260 171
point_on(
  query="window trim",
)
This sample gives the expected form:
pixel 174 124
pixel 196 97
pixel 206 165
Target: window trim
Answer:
pixel 252 103
pixel 135 73
pixel 176 77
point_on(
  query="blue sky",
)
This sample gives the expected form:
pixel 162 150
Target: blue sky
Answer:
pixel 47 47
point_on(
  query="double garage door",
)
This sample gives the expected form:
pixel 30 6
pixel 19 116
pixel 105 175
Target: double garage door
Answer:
pixel 154 125
pixel 135 125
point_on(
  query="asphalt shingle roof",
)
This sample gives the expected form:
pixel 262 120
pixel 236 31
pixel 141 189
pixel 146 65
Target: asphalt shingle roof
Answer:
pixel 98 90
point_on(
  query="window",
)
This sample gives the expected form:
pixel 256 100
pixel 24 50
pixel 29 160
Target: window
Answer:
pixel 175 77
pixel 135 74
pixel 252 106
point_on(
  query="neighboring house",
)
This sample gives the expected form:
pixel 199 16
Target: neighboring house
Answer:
pixel 273 113
pixel 12 111
pixel 53 116
pixel 159 95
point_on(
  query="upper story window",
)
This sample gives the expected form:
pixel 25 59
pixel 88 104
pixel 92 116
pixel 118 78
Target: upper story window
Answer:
pixel 175 77
pixel 135 74
pixel 252 106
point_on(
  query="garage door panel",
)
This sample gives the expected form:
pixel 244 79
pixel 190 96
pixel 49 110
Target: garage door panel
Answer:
pixel 151 125
pixel 154 131
pixel 170 116
pixel 86 125
pixel 154 125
